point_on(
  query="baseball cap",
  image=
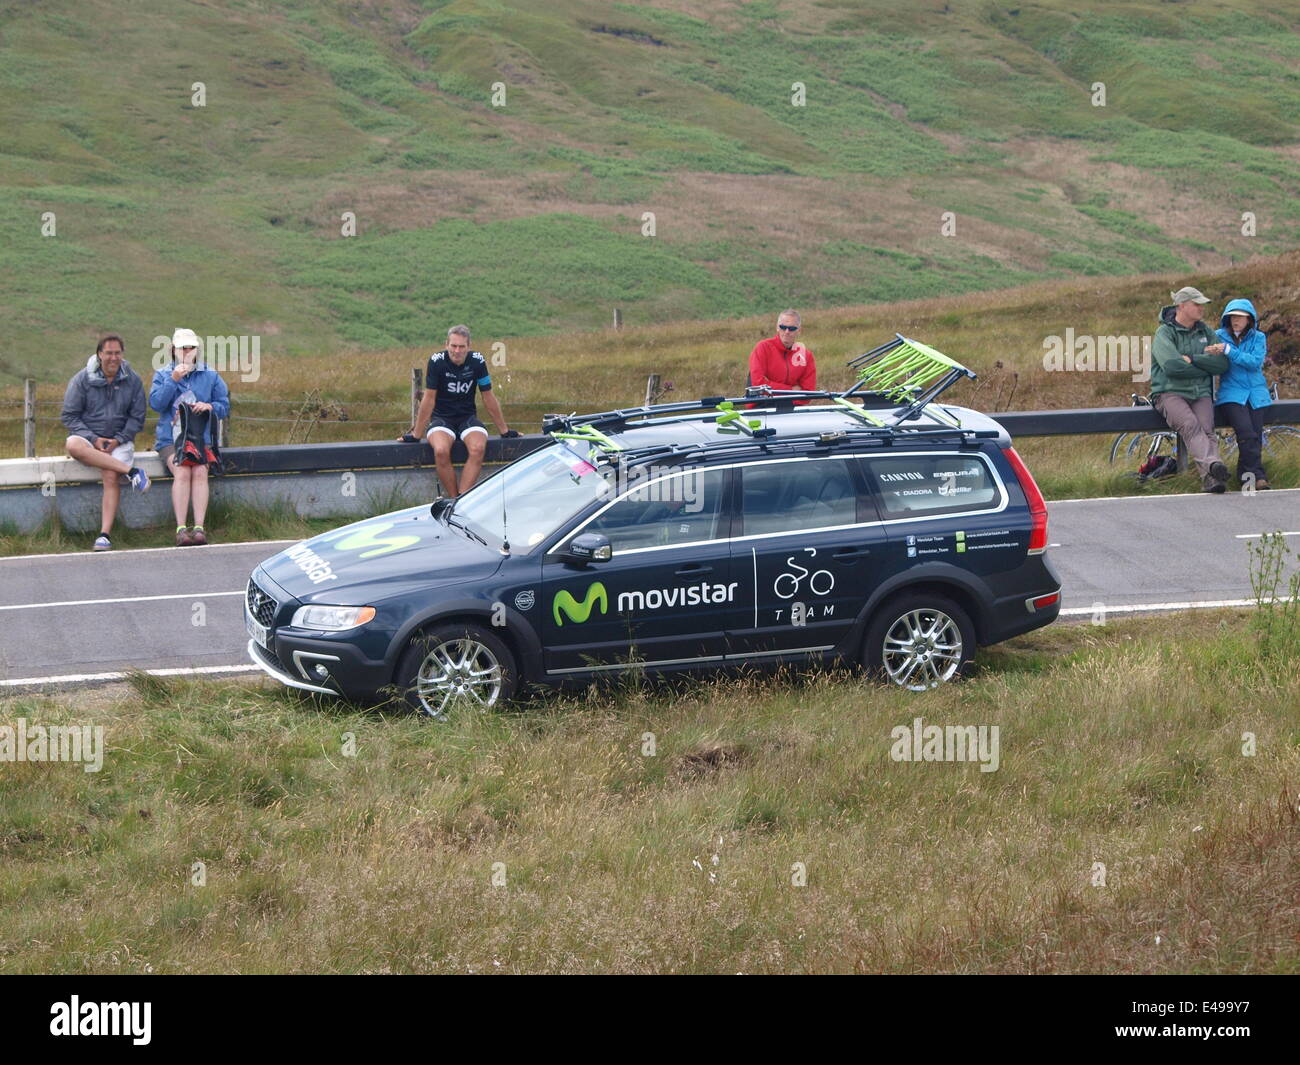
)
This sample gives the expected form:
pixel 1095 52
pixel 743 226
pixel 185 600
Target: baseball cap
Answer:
pixel 185 338
pixel 1188 293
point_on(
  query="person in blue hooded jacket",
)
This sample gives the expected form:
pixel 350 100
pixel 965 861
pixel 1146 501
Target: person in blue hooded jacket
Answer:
pixel 187 381
pixel 1243 392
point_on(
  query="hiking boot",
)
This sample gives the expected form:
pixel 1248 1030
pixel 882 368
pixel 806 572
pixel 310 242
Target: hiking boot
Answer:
pixel 1211 485
pixel 102 543
pixel 183 537
pixel 1261 484
pixel 1219 474
pixel 139 479
pixel 198 536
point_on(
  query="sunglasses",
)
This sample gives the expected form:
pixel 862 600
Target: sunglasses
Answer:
pixel 788 328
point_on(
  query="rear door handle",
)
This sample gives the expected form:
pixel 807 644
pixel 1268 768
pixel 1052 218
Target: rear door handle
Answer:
pixel 693 569
pixel 849 554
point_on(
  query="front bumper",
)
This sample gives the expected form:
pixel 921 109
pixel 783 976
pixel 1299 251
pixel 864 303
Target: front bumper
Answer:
pixel 327 667
pixel 273 667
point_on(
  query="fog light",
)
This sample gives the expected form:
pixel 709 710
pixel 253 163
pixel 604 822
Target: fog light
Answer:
pixel 321 672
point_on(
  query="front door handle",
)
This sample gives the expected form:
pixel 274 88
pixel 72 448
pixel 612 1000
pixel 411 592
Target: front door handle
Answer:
pixel 693 569
pixel 850 554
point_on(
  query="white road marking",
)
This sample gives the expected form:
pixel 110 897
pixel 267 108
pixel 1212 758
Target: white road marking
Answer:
pixel 1257 536
pixel 1199 605
pixel 82 678
pixel 1170 495
pixel 131 552
pixel 127 599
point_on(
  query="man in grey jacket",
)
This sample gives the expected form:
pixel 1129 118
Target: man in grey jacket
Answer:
pixel 103 409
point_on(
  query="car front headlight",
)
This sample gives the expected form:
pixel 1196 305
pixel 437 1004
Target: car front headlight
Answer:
pixel 332 618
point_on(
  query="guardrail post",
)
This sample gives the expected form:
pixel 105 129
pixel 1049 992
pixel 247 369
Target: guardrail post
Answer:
pixel 29 418
pixel 618 318
pixel 1180 453
pixel 651 389
pixel 416 382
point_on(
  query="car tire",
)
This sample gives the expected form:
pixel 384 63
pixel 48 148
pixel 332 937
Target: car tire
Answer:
pixel 450 666
pixel 919 640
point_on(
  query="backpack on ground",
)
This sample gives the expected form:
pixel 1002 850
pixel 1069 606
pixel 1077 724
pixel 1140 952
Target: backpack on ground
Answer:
pixel 1156 467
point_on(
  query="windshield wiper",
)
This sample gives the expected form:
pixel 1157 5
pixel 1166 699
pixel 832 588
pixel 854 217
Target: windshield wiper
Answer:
pixel 465 529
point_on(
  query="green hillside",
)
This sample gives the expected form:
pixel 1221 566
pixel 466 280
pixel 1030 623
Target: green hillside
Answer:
pixel 527 218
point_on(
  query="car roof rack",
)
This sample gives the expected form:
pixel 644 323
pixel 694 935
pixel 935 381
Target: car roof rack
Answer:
pixel 885 436
pixel 903 368
pixel 616 419
pixel 901 373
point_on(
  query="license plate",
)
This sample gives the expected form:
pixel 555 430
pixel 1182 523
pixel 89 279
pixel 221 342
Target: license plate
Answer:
pixel 260 633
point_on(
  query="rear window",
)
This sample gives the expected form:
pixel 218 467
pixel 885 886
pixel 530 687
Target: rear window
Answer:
pixel 931 484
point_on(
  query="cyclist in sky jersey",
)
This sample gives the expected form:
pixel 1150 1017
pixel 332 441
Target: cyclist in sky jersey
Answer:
pixel 448 408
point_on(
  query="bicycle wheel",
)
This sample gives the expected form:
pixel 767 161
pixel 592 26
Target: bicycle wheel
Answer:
pixel 1116 445
pixel 1285 433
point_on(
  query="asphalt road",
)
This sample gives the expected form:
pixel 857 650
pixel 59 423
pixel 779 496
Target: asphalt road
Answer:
pixel 85 618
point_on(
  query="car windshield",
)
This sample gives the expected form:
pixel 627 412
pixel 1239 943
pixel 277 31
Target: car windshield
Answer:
pixel 540 493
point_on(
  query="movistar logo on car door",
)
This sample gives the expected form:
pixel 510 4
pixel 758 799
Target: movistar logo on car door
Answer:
pixel 579 611
pixel 640 600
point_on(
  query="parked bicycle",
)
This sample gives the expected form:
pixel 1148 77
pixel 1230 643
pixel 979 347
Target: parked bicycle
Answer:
pixel 1157 440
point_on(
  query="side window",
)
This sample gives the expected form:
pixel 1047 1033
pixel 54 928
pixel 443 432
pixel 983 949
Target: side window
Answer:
pixel 931 484
pixel 681 509
pixel 793 496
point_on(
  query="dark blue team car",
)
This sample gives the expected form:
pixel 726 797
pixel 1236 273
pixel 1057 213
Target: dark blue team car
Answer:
pixel 723 533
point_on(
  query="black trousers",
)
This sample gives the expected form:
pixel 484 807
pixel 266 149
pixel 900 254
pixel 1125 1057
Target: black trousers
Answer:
pixel 1248 424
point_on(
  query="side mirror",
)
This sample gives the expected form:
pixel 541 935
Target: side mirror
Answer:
pixel 588 547
pixel 439 506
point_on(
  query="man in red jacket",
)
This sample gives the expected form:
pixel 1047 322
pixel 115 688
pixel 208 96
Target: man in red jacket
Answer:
pixel 782 362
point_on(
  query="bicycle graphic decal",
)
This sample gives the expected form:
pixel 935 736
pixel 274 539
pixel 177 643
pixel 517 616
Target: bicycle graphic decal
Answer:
pixel 787 584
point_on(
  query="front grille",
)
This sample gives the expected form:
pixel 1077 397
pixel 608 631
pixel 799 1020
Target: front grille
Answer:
pixel 260 605
pixel 271 659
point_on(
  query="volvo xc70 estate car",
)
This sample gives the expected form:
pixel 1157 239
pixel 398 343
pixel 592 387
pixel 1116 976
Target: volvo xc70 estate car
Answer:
pixel 693 536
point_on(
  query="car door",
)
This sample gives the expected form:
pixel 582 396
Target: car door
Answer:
pixel 805 552
pixel 662 598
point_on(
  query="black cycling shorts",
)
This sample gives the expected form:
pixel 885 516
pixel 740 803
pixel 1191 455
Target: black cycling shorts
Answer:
pixel 455 427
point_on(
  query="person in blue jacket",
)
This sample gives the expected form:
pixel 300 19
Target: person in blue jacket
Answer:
pixel 191 382
pixel 1243 392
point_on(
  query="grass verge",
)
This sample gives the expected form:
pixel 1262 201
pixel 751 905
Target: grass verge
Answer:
pixel 648 829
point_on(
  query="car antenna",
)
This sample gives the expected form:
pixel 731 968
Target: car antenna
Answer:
pixel 505 536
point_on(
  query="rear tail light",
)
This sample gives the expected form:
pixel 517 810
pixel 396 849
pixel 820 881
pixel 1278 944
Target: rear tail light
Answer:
pixel 1037 506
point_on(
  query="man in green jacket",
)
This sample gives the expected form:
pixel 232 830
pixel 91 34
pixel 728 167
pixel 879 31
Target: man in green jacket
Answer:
pixel 1184 362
